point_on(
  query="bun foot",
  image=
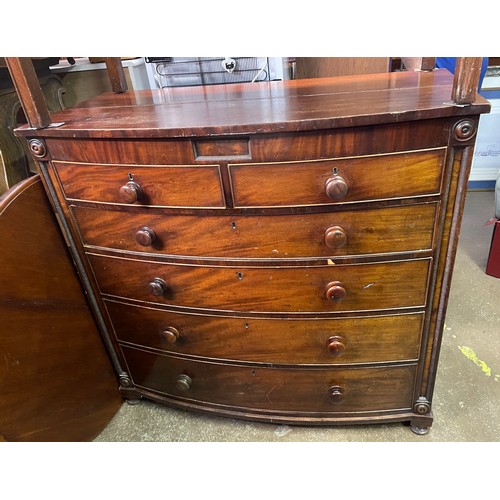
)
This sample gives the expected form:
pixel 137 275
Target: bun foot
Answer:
pixel 131 395
pixel 421 431
pixel 133 401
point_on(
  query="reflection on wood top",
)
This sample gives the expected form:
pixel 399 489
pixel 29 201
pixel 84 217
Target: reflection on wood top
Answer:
pixel 251 108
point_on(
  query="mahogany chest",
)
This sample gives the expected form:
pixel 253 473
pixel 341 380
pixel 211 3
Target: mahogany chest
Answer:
pixel 277 251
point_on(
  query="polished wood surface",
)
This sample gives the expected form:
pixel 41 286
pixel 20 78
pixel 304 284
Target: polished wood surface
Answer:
pixel 172 186
pixel 367 339
pixel 321 144
pixel 317 67
pixel 267 289
pixel 466 78
pixel 116 74
pixel 56 381
pixel 362 178
pixel 29 91
pixel 275 389
pixel 372 231
pixel 343 105
pixel 358 183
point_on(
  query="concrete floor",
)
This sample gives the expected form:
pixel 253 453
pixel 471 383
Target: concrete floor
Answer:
pixel 466 403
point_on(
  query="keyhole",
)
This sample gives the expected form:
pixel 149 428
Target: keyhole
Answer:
pixel 335 171
pixel 240 276
pixel 130 177
pixel 233 226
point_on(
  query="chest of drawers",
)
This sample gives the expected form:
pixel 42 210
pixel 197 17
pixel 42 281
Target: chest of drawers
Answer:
pixel 278 251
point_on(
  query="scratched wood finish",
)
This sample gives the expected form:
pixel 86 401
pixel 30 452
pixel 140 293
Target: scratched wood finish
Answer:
pixel 369 339
pixel 274 89
pixel 267 289
pixel 267 115
pixel 275 389
pixel 372 231
pixel 56 381
pixel 329 143
pixel 168 185
pixel 367 178
pixel 229 317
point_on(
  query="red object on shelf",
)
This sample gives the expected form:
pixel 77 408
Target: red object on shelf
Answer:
pixel 493 265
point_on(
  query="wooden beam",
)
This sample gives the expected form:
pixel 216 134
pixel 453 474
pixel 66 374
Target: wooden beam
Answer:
pixel 28 89
pixel 116 74
pixel 466 80
pixel 419 63
pixel 428 63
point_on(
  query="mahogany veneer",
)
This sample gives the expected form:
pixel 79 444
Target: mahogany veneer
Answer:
pixel 279 251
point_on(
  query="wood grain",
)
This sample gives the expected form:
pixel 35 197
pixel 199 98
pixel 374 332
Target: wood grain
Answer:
pixel 369 339
pixel 342 107
pixel 372 231
pixel 167 185
pixel 56 381
pixel 368 178
pixel 275 389
pixel 267 289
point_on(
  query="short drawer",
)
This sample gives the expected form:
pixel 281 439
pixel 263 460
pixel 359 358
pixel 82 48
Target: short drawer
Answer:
pixel 338 180
pixel 274 389
pixel 372 231
pixel 366 339
pixel 275 289
pixel 163 185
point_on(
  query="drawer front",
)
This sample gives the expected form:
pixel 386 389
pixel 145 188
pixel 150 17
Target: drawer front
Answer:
pixel 396 229
pixel 335 390
pixel 167 186
pixel 274 289
pixel 366 339
pixel 340 180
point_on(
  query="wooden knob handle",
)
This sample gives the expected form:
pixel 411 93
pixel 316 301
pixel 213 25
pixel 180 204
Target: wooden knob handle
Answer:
pixel 171 334
pixel 335 237
pixel 336 394
pixel 183 382
pixel 145 236
pixel 158 287
pixel 335 291
pixel 335 346
pixel 130 192
pixel 336 187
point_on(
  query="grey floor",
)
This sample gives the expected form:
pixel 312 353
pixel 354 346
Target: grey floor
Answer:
pixel 467 394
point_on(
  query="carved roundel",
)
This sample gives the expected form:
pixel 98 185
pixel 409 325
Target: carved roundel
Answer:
pixel 465 130
pixel 37 148
pixel 125 381
pixel 422 408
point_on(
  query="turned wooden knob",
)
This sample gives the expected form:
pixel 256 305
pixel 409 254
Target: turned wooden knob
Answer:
pixel 335 237
pixel 130 192
pixel 335 346
pixel 335 291
pixel 336 394
pixel 336 187
pixel 171 334
pixel 145 236
pixel 183 382
pixel 158 287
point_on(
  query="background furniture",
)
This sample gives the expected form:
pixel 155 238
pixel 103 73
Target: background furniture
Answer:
pixel 16 162
pixel 281 251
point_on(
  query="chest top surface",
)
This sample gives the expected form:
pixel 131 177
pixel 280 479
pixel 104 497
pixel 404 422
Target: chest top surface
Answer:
pixel 264 107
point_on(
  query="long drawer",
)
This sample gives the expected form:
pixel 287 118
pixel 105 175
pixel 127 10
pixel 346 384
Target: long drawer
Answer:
pixel 298 390
pixel 197 186
pixel 372 231
pixel 338 180
pixel 369 339
pixel 268 289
